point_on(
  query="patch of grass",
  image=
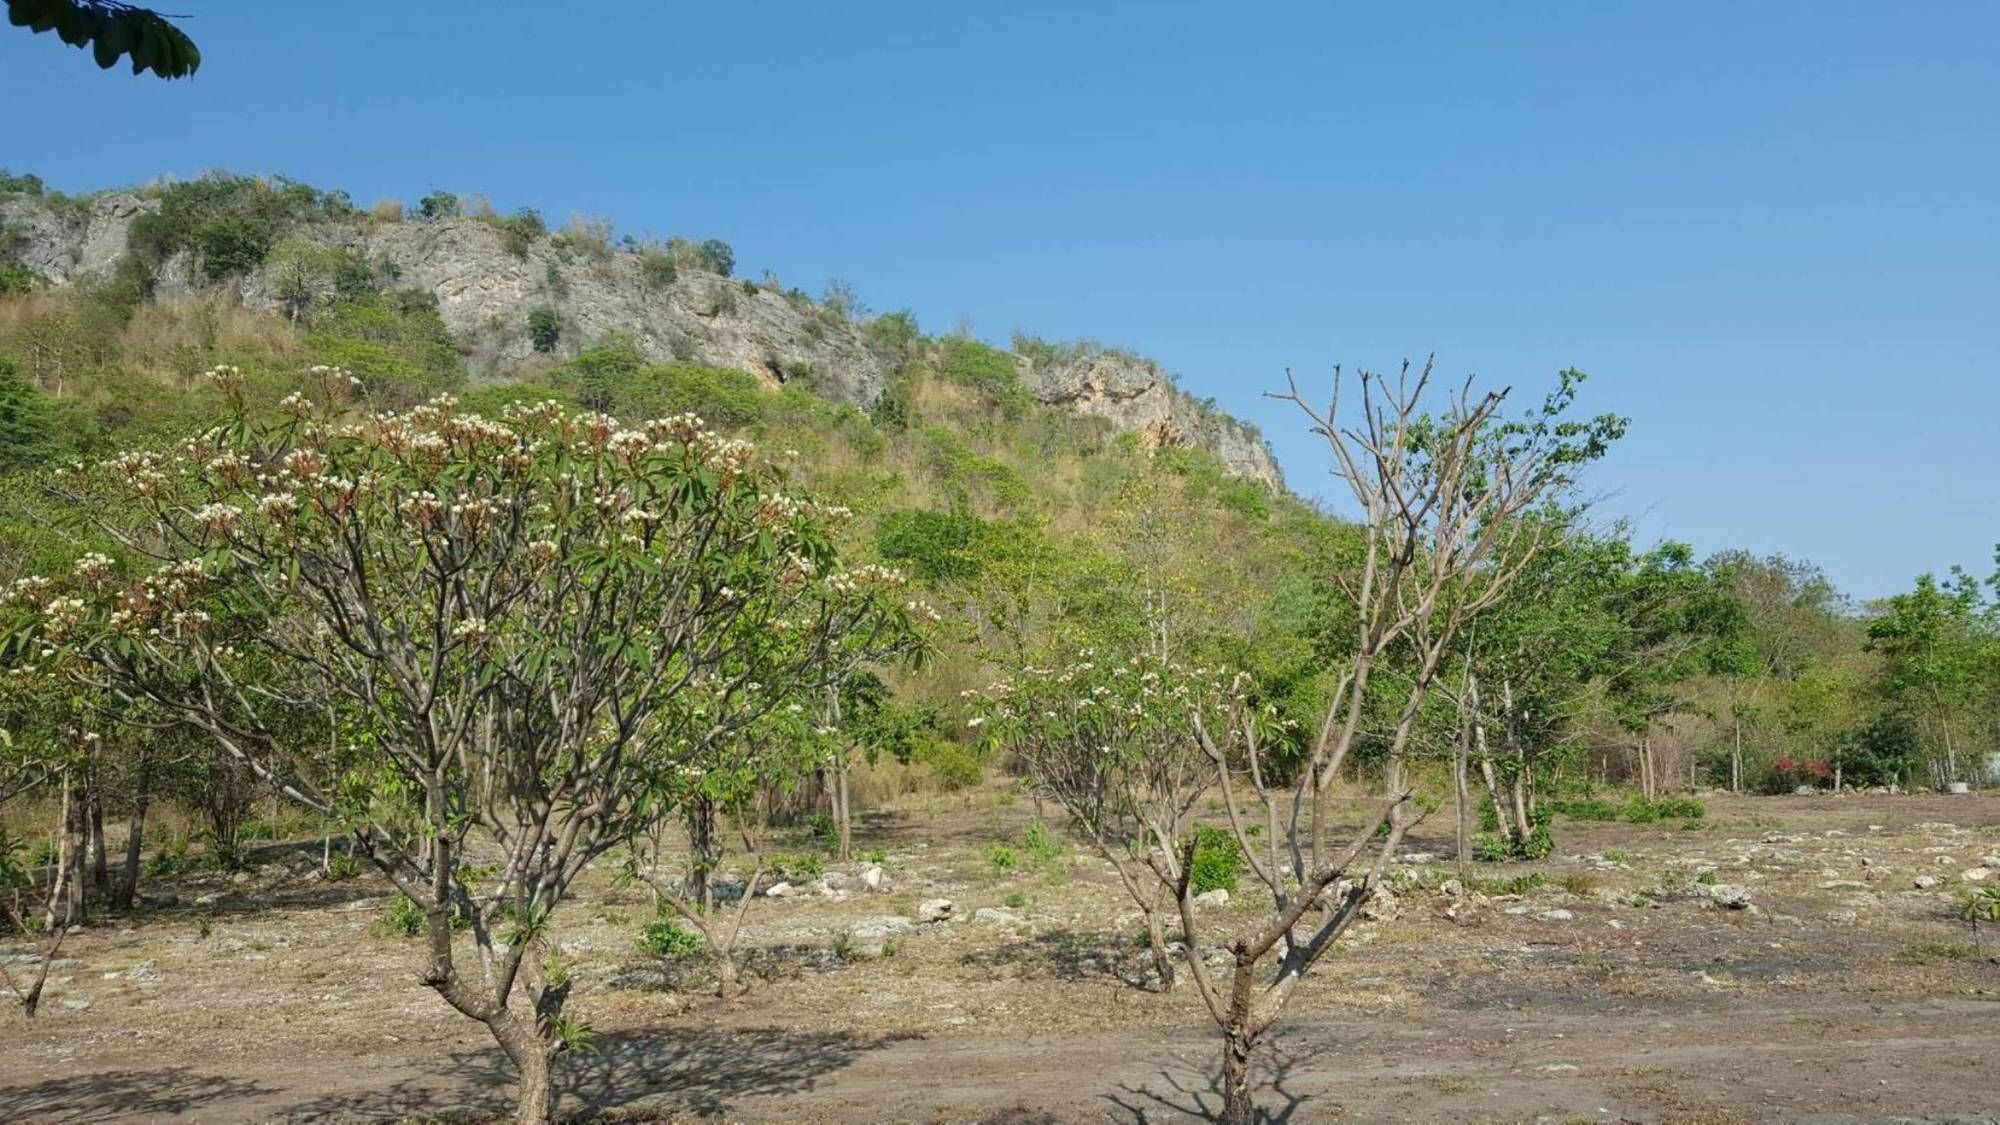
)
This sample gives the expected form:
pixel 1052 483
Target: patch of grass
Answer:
pixel 1509 884
pixel 1579 883
pixel 1001 857
pixel 1015 900
pixel 1615 856
pixel 1934 953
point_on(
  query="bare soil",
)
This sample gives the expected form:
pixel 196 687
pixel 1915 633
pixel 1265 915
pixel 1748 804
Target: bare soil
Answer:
pixel 1847 994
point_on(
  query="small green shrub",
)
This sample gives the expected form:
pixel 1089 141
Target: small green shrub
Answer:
pixel 1001 857
pixel 1217 861
pixel 1585 809
pixel 1981 905
pixel 657 270
pixel 1706 878
pixel 665 938
pixel 1014 899
pixel 822 827
pixel 520 231
pixel 544 330
pixel 797 867
pixel 1042 844
pixel 402 918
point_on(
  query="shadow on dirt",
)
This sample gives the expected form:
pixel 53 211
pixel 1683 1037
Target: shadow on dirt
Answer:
pixel 1067 955
pixel 693 1073
pixel 1173 1097
pixel 167 1092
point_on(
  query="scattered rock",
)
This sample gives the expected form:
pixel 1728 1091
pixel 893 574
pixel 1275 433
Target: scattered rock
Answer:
pixel 76 1003
pixel 934 910
pixel 1452 888
pixel 780 890
pixel 1977 874
pixel 145 972
pixel 873 878
pixel 1926 882
pixel 1417 857
pixel 1209 900
pixel 240 878
pixel 997 916
pixel 1958 787
pixel 1992 861
pixel 1557 915
pixel 870 937
pixel 209 899
pixel 1803 791
pixel 1731 896
pixel 1558 1068
pixel 1382 906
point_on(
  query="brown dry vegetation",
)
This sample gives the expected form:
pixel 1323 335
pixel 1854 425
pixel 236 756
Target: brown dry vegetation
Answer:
pixel 1846 995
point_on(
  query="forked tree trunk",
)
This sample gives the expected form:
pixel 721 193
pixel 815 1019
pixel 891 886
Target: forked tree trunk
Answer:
pixel 534 1060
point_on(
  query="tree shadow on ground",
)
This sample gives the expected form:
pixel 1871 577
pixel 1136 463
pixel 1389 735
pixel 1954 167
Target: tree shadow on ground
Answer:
pixel 701 1073
pixel 1172 1097
pixel 1069 955
pixel 167 1092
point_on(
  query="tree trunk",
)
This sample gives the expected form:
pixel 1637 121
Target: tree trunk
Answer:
pixel 101 875
pixel 1736 760
pixel 1237 1108
pixel 127 891
pixel 1163 963
pixel 725 976
pixel 701 845
pixel 1462 796
pixel 533 1057
pixel 843 811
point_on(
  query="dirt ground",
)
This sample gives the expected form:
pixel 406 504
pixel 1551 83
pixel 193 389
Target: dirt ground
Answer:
pixel 1614 992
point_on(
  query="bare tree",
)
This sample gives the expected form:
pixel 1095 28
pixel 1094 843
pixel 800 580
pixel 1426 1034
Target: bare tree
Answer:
pixel 1440 498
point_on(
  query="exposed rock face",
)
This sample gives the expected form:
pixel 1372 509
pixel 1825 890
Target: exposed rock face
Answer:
pixel 485 293
pixel 68 244
pixel 1133 395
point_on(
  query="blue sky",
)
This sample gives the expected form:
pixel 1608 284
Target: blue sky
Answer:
pixel 1770 232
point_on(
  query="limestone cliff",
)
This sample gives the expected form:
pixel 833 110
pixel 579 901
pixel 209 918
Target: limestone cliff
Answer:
pixel 486 288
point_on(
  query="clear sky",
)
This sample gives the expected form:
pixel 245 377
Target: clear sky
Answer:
pixel 1769 231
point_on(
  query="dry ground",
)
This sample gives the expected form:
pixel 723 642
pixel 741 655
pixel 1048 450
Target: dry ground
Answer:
pixel 1846 995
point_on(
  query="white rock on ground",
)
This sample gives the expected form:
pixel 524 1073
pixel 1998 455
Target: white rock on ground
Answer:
pixel 1209 900
pixel 934 910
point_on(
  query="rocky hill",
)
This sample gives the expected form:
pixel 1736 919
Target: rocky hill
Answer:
pixel 488 274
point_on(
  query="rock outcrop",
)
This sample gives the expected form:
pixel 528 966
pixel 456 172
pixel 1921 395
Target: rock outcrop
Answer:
pixel 485 291
pixel 1134 395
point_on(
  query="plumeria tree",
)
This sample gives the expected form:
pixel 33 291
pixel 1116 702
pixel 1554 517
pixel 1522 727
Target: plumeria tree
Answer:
pixel 480 644
pixel 1114 742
